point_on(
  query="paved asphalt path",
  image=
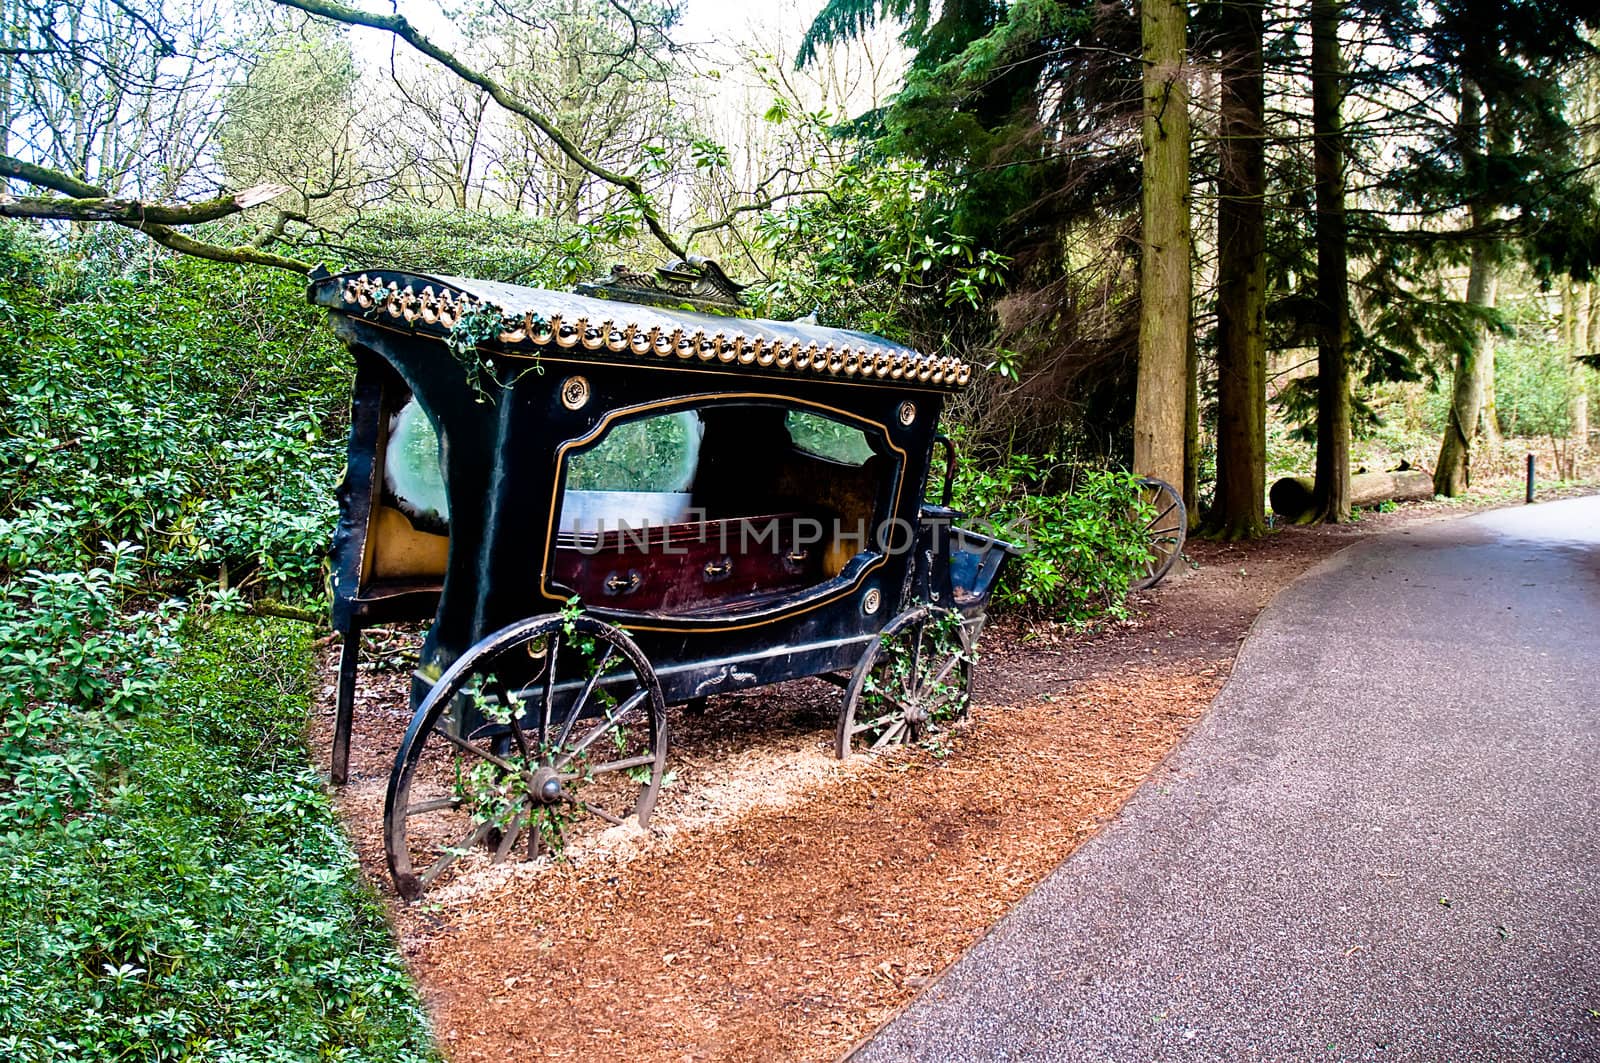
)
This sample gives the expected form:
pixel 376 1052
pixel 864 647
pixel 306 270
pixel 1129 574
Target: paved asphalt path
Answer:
pixel 1383 841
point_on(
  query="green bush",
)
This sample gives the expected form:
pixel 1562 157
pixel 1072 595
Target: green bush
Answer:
pixel 78 660
pixel 1082 545
pixel 1535 381
pixel 881 252
pixel 196 409
pixel 511 247
pixel 176 883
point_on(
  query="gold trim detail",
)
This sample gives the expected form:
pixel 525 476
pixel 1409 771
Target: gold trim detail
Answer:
pixel 575 392
pixel 444 308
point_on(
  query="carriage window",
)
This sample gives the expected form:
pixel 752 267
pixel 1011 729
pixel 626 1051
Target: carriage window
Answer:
pixel 411 467
pixel 827 438
pixel 638 475
pixel 655 454
pixel 719 509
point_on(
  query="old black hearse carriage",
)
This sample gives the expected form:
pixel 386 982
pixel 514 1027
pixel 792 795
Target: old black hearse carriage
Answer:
pixel 608 503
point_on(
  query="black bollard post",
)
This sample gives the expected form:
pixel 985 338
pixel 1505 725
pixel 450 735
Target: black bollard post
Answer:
pixel 1530 479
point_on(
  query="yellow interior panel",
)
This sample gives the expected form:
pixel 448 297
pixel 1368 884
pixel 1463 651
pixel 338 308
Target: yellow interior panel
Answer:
pixel 400 551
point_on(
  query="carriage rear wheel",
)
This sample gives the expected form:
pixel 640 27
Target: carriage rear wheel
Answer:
pixel 546 730
pixel 1164 531
pixel 914 681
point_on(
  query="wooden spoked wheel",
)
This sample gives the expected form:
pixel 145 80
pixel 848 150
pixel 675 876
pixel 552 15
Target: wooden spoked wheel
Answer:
pixel 1164 530
pixel 547 729
pixel 916 680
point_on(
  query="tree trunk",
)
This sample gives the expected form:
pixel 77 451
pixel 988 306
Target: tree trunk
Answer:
pixel 7 62
pixel 1591 344
pixel 1191 435
pixel 1294 497
pixel 1488 412
pixel 1241 281
pixel 1333 288
pixel 1453 473
pixel 1582 321
pixel 1500 140
pixel 1160 404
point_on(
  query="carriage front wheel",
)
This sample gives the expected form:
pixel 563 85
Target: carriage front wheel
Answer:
pixel 1165 528
pixel 915 680
pixel 547 729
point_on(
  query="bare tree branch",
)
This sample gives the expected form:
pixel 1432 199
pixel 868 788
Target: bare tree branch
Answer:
pixel 764 203
pixel 90 203
pixel 46 178
pixel 401 28
pixel 133 212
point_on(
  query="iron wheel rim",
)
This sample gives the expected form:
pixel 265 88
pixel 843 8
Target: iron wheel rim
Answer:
pixel 540 765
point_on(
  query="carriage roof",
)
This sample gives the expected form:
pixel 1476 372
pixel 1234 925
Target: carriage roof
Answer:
pixel 534 322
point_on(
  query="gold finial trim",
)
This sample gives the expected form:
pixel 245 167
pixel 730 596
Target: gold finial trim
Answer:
pixel 444 308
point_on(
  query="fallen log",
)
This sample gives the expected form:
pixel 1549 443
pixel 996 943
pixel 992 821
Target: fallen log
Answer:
pixel 1292 496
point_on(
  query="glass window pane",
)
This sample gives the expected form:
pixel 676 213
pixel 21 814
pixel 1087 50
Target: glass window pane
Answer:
pixel 637 476
pixel 653 454
pixel 828 438
pixel 411 469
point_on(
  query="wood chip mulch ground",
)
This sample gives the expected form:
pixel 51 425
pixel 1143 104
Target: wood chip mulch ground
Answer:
pixel 784 905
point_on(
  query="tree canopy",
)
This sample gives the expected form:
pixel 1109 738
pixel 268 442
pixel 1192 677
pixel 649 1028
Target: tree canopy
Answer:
pixel 989 202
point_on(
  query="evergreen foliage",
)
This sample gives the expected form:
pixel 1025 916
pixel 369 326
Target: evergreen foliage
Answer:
pixel 1417 170
pixel 1029 114
pixel 196 409
pixel 176 885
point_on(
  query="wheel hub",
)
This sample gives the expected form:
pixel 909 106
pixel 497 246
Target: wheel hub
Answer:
pixel 546 787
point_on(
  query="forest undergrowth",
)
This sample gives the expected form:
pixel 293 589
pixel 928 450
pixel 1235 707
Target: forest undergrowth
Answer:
pixel 176 885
